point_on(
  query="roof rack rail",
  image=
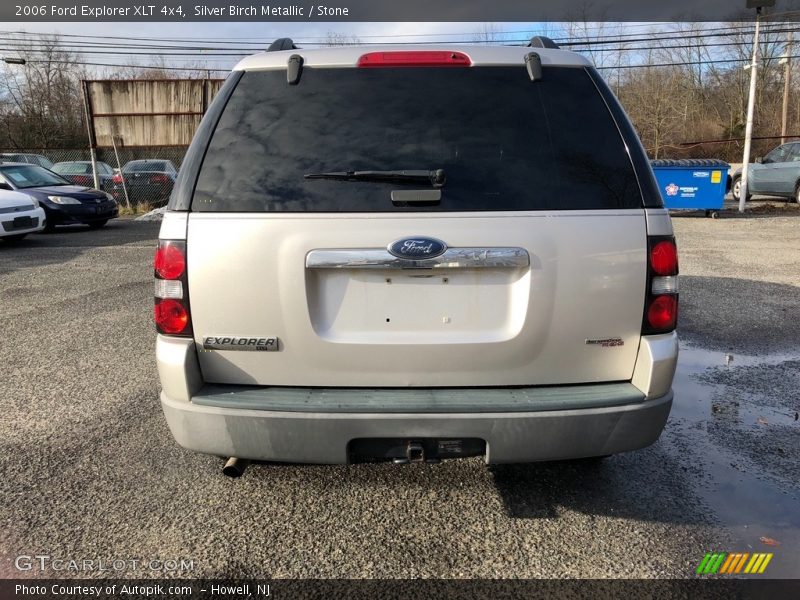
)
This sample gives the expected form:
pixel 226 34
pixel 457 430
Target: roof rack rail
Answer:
pixel 541 41
pixel 281 44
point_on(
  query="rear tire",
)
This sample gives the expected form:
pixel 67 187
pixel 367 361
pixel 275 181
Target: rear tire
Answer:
pixel 796 197
pixel 97 224
pixel 736 187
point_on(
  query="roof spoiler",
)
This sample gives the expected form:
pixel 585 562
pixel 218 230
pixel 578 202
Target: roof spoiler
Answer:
pixel 282 44
pixel 540 41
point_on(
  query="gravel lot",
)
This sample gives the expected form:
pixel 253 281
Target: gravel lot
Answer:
pixel 740 279
pixel 89 469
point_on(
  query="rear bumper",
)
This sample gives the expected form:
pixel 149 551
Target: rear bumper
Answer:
pixel 317 426
pixel 323 437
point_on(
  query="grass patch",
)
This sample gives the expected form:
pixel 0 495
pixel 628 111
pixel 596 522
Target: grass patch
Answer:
pixel 139 208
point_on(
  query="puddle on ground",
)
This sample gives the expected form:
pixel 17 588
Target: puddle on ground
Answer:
pixel 737 414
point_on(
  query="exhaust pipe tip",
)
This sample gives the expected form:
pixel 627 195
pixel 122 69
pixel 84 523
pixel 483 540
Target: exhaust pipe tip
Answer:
pixel 235 467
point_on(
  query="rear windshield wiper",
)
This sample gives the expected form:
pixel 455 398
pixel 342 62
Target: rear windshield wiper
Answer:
pixel 435 177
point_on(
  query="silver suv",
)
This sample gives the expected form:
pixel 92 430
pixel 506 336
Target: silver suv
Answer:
pixel 416 253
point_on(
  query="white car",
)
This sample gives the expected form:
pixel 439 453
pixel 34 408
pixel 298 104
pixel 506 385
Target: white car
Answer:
pixel 416 253
pixel 19 215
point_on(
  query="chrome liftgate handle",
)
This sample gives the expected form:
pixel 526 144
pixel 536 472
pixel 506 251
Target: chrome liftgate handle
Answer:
pixel 453 258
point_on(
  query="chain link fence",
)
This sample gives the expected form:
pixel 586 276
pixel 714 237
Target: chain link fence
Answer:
pixel 147 184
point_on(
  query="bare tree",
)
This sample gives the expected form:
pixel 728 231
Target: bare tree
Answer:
pixel 489 33
pixel 685 88
pixel 40 101
pixel 652 97
pixel 159 68
pixel 679 86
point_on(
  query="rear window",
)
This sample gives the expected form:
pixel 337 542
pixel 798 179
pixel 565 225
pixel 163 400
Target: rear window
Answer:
pixel 503 142
pixel 73 168
pixel 151 165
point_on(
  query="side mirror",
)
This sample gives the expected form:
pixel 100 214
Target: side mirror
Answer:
pixel 5 186
pixel 759 159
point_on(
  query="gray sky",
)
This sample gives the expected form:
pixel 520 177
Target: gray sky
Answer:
pixel 243 29
pixel 259 33
pixel 255 36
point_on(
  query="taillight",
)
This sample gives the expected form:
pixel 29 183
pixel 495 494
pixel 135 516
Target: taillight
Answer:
pixel 170 262
pixel 171 316
pixel 171 309
pixel 159 179
pixel 424 58
pixel 662 313
pixel 117 178
pixel 661 300
pixel 664 258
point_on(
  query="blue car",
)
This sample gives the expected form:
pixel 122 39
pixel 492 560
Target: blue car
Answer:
pixel 63 202
pixel 777 174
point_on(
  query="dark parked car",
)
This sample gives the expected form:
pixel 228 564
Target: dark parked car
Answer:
pixel 63 202
pixel 148 180
pixel 777 174
pixel 31 159
pixel 79 172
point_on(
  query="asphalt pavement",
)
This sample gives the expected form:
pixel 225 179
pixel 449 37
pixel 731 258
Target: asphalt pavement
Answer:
pixel 89 470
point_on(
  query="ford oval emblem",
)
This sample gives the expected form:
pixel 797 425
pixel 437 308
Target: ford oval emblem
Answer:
pixel 418 247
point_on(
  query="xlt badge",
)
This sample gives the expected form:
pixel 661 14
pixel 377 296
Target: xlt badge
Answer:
pixel 249 344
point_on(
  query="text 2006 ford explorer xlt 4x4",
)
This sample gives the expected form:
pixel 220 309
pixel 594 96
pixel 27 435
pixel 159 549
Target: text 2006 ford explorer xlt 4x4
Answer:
pixel 409 254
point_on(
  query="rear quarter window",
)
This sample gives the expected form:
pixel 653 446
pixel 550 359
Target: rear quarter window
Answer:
pixel 504 142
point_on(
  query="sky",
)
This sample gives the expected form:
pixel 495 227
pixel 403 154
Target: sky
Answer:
pixel 244 38
pixel 244 29
pixel 262 33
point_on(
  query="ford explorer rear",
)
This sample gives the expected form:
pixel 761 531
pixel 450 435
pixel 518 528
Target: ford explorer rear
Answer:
pixel 414 254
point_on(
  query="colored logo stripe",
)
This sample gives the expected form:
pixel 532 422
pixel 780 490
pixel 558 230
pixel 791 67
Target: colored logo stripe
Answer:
pixel 753 563
pixel 711 563
pixel 735 562
pixel 701 567
pixel 758 563
pixel 718 563
pixel 765 563
pixel 728 562
pixel 740 564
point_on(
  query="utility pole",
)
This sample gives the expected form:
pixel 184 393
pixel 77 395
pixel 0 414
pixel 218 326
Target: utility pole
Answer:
pixel 87 111
pixel 751 99
pixel 787 83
